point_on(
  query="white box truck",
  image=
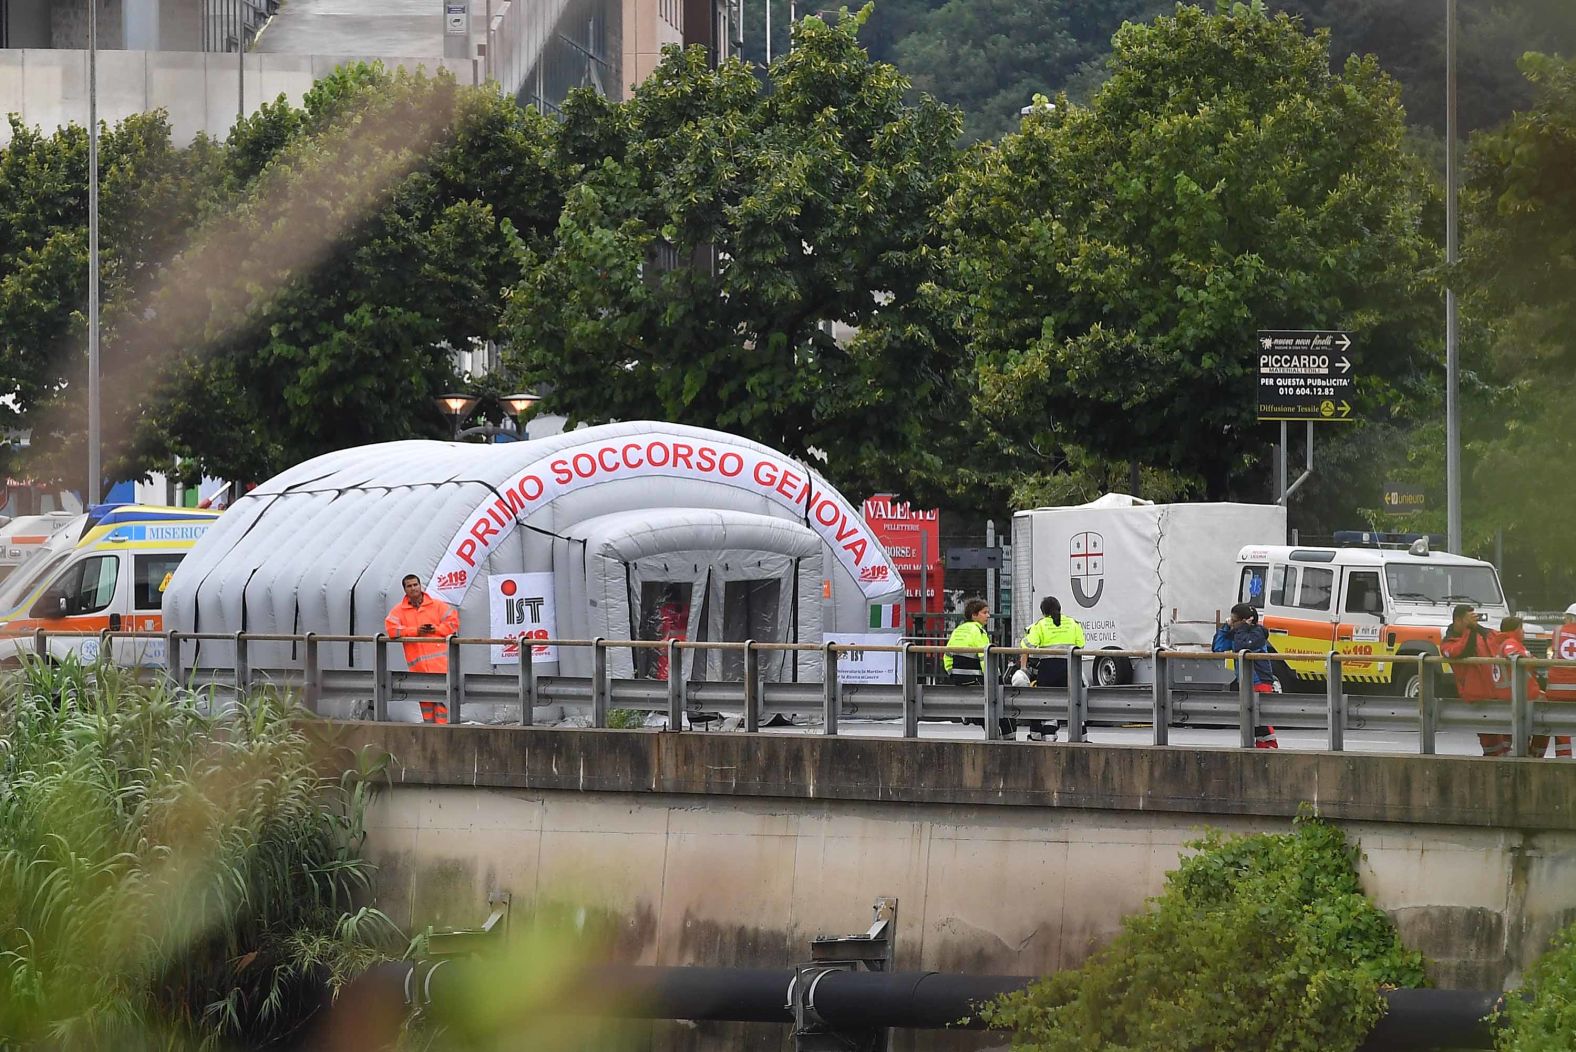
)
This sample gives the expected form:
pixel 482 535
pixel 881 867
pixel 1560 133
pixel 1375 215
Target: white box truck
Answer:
pixel 1138 576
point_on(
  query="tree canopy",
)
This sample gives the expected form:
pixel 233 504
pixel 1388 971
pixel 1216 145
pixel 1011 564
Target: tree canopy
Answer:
pixel 1108 265
pixel 1519 272
pixel 742 259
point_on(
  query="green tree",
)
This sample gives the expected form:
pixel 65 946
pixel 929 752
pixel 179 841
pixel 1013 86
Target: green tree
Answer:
pixel 1109 264
pixel 1262 942
pixel 1408 38
pixel 150 195
pixel 737 258
pixel 991 57
pixel 367 235
pixel 1519 270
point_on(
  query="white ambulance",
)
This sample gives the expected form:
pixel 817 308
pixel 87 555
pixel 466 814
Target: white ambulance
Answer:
pixel 112 578
pixel 1371 600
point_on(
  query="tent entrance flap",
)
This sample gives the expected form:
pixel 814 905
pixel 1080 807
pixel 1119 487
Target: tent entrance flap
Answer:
pixel 698 574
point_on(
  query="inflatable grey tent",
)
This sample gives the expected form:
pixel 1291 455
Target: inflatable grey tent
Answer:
pixel 626 531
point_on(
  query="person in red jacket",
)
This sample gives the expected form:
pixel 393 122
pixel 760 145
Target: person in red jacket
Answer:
pixel 1562 678
pixel 1465 638
pixel 1510 641
pixel 420 617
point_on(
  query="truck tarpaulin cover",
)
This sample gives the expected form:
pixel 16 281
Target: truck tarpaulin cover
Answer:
pixel 1137 575
pixel 648 530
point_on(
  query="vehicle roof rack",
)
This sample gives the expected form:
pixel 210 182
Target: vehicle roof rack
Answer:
pixel 1378 539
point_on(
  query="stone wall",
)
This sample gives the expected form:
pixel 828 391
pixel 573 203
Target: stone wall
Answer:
pixel 727 849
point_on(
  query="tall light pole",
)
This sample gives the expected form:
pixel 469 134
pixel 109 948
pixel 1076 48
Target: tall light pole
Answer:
pixel 95 483
pixel 240 65
pixel 1452 350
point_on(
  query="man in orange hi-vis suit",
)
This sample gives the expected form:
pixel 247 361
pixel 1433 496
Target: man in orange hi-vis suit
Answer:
pixel 421 615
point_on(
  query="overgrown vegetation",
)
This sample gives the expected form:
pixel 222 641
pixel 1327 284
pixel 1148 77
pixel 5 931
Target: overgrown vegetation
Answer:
pixel 171 878
pixel 1262 942
pixel 1543 1017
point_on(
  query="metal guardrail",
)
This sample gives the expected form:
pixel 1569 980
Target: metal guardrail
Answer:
pixel 1161 705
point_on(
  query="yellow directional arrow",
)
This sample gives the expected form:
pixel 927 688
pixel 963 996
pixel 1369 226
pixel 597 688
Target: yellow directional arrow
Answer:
pixel 1346 409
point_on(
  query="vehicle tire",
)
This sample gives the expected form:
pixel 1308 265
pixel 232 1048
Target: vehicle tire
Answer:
pixel 1411 686
pixel 1112 671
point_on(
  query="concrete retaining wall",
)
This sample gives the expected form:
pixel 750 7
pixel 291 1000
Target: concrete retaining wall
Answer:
pixel 729 849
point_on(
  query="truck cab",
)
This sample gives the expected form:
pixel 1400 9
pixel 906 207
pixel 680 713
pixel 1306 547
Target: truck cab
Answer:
pixel 1364 601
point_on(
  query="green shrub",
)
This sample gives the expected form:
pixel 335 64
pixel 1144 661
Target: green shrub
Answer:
pixel 625 719
pixel 1258 943
pixel 1543 1018
pixel 170 878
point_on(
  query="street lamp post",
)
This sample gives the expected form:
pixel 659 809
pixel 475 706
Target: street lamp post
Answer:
pixel 95 482
pixel 1452 349
pixel 457 407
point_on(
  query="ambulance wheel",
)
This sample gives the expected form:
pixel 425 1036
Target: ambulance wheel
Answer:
pixel 1112 671
pixel 1412 686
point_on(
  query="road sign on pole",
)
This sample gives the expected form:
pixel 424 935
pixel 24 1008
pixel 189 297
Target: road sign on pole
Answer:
pixel 1305 375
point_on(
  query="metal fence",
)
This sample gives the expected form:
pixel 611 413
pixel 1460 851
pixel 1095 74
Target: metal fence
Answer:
pixel 1159 706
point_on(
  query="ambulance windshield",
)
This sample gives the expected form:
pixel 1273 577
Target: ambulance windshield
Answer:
pixel 1443 583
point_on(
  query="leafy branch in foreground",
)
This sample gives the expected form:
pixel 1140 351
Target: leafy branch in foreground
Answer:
pixel 1262 942
pixel 171 877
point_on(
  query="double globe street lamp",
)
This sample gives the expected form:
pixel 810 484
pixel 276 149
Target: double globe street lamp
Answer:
pixel 459 407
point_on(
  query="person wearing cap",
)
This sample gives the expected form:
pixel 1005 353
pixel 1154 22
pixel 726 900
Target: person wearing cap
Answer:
pixel 1465 638
pixel 1562 678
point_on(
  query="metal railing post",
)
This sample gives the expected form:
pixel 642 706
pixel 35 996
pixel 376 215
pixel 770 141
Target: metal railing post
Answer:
pixel 1077 702
pixel 992 694
pixel 599 688
pixel 381 683
pixel 40 642
pixel 1427 709
pixel 676 704
pixel 910 679
pixel 1520 709
pixel 172 655
pixel 1244 700
pixel 831 695
pixel 1335 702
pixel 311 677
pixel 104 646
pixel 1160 698
pixel 525 683
pixel 752 709
pixel 453 681
pixel 243 665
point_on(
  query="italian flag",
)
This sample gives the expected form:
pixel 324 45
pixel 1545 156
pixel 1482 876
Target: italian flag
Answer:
pixel 884 615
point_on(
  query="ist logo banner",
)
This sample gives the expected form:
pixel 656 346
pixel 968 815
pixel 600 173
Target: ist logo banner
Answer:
pixel 521 607
pixel 1086 567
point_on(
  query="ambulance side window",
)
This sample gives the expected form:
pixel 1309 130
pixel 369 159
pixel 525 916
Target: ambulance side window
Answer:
pixel 152 574
pixel 1362 593
pixel 1317 583
pixel 1251 590
pixel 1283 586
pixel 90 586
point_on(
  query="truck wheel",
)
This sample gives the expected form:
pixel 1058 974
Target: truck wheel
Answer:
pixel 1412 686
pixel 1112 671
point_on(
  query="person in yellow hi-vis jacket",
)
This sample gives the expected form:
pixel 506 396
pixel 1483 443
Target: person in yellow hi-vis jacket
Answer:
pixel 964 670
pixel 1051 630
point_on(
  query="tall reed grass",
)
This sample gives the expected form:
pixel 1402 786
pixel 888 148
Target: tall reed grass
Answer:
pixel 171 877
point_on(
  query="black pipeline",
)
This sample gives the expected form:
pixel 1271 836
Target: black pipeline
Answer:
pixel 857 1000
